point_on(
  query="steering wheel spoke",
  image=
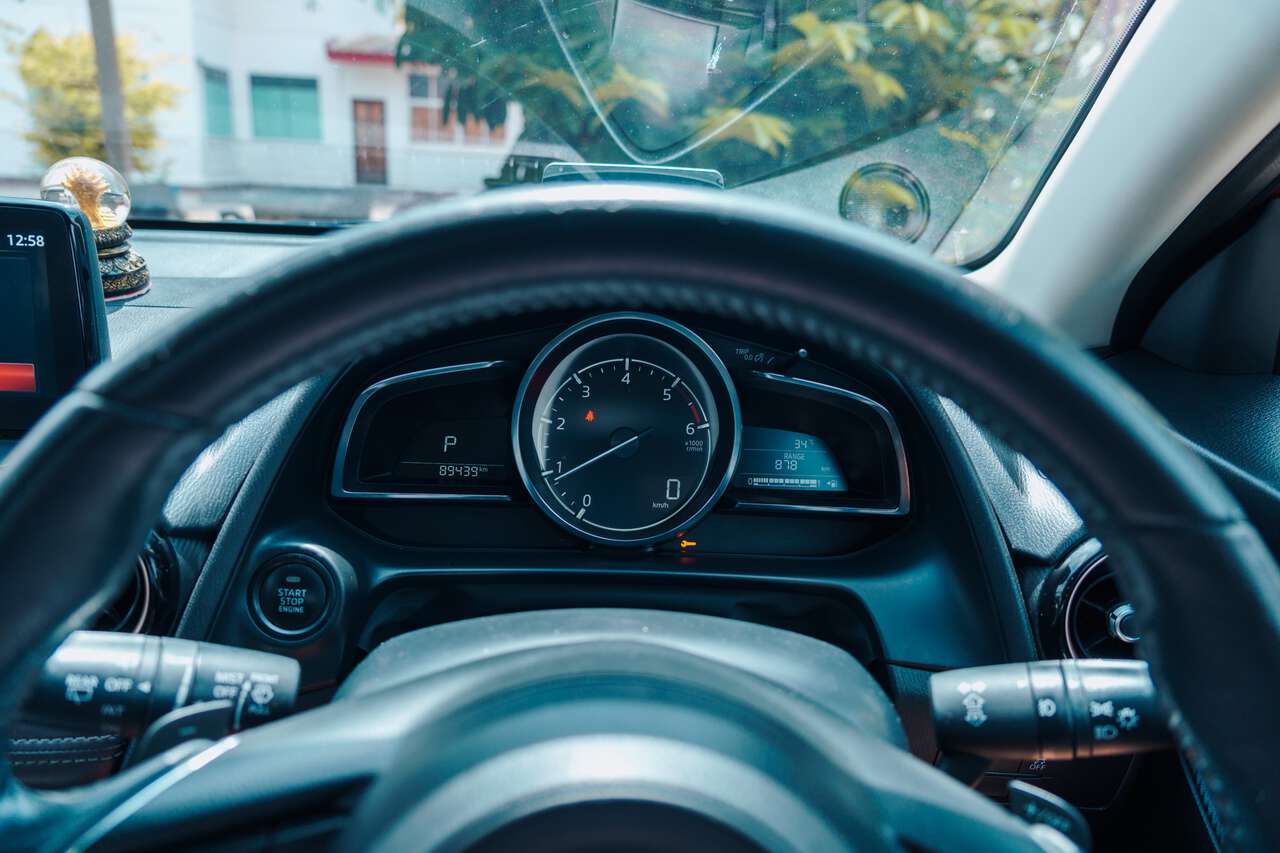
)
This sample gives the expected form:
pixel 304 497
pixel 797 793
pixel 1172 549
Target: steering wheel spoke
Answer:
pixel 666 729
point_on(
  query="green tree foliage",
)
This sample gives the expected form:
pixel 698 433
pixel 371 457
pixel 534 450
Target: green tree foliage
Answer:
pixel 64 103
pixel 822 75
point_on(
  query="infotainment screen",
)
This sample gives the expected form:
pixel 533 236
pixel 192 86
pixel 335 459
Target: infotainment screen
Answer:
pixel 19 350
pixel 52 316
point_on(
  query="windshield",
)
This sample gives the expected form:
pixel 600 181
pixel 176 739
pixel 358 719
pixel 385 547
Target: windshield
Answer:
pixel 932 120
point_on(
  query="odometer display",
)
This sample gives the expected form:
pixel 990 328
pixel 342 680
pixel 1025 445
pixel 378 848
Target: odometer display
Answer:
pixel 619 432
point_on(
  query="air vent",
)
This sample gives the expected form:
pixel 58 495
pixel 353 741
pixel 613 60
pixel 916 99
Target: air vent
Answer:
pixel 129 611
pixel 145 604
pixel 1098 621
pixel 1082 612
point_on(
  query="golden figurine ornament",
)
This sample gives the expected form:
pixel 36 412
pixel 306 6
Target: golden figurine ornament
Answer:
pixel 103 196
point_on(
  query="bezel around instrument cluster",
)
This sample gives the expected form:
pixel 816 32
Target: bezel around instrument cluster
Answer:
pixel 595 345
pixel 799 440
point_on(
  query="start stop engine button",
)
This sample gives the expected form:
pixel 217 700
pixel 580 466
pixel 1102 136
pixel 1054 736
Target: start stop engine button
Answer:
pixel 292 596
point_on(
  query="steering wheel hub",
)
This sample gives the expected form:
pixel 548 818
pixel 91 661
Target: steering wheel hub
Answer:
pixel 644 730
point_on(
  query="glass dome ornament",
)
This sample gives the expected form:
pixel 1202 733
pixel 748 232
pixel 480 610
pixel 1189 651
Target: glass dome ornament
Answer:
pixel 93 186
pixel 102 194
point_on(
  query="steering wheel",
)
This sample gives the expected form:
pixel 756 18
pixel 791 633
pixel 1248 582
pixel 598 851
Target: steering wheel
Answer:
pixel 560 731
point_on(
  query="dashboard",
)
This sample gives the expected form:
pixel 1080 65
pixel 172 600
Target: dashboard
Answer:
pixel 624 460
pixel 578 460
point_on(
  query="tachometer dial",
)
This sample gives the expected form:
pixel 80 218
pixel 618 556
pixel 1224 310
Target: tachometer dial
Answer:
pixel 626 429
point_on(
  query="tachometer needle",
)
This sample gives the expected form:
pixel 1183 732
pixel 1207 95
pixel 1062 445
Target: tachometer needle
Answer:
pixel 602 455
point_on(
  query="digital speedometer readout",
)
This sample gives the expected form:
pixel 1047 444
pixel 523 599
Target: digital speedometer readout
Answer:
pixel 786 460
pixel 621 441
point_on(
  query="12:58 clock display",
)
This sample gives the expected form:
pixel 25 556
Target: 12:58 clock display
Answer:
pixel 626 428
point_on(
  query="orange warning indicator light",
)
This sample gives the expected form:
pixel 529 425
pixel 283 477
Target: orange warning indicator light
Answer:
pixel 686 544
pixel 591 415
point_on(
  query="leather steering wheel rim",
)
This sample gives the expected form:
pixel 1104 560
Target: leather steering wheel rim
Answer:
pixel 81 490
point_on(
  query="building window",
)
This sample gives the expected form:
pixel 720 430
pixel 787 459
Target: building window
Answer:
pixel 427 93
pixel 424 123
pixel 422 86
pixel 426 109
pixel 217 103
pixel 285 107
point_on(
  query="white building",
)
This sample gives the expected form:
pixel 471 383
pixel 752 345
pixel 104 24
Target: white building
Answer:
pixel 299 97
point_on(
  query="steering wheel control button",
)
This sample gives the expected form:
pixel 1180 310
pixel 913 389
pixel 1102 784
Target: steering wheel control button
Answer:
pixel 204 721
pixel 291 596
pixel 1040 808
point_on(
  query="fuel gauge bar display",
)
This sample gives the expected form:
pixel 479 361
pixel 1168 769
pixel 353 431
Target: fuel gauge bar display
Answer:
pixel 786 460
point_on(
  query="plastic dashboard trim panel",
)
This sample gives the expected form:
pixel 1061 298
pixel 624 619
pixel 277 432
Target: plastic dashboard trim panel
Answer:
pixel 895 436
pixel 338 487
pixel 267 519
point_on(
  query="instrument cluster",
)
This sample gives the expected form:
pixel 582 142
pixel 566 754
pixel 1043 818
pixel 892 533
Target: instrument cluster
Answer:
pixel 625 430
